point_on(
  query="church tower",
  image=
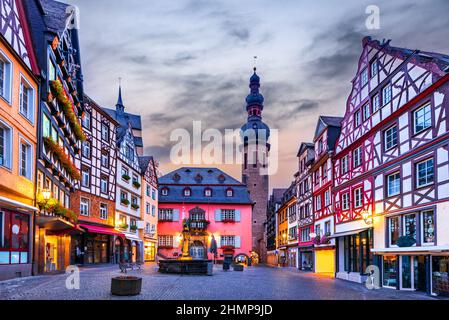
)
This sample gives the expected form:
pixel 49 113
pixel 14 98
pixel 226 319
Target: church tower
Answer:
pixel 255 134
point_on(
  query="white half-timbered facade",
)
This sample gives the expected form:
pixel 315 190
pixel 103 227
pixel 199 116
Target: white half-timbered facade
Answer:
pixel 304 203
pixel 391 169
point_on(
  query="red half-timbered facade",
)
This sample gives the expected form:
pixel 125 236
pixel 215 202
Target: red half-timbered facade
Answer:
pixel 391 169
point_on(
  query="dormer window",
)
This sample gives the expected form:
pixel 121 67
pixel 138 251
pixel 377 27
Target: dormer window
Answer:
pixel 176 177
pixel 164 191
pixel 221 178
pixel 198 178
pixel 320 145
pixel 229 193
pixel 187 192
pixel 208 192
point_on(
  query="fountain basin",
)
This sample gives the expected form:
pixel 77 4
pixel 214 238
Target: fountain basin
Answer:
pixel 186 266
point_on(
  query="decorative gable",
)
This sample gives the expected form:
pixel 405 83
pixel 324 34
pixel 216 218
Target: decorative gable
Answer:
pixel 12 27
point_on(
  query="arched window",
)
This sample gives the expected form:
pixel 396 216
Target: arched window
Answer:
pixel 187 192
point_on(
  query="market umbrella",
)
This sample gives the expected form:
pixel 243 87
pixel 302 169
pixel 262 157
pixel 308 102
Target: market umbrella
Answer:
pixel 213 247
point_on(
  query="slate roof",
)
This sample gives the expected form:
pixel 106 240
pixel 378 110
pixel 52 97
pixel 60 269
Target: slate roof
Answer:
pixel 305 145
pixel 423 57
pixel 210 179
pixel 277 194
pixel 124 120
pixel 56 15
pixel 144 162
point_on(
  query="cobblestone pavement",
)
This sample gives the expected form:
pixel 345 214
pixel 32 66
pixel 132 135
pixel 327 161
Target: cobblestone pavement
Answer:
pixel 256 283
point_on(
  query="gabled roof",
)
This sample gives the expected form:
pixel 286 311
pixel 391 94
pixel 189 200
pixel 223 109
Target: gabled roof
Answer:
pixel 55 15
pixel 135 120
pixel 304 146
pixel 325 122
pixel 422 57
pixel 277 194
pixel 144 162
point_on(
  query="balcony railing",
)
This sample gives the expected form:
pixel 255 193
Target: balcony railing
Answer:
pixel 198 225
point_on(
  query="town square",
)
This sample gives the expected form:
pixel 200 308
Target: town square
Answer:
pixel 224 150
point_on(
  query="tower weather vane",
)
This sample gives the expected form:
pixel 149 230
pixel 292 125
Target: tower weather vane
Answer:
pixel 255 63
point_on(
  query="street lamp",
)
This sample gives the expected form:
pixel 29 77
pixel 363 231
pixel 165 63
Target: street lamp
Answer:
pixel 46 194
pixel 367 217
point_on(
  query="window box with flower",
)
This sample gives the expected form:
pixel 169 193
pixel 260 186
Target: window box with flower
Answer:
pixel 125 202
pixel 135 206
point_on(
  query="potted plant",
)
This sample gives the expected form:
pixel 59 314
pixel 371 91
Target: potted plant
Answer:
pixel 124 225
pixel 126 286
pixel 125 202
pixel 135 206
pixel 126 177
pixel 136 184
pixel 133 227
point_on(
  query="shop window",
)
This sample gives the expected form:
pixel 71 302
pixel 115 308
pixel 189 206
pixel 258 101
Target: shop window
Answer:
pixel 393 227
pixel 14 238
pixel 390 265
pixel 409 224
pixel 428 226
pixel 440 275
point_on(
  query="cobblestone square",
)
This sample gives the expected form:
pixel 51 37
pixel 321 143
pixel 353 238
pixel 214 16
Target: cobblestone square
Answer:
pixel 255 283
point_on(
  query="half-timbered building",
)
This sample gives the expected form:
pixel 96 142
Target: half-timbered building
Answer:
pixel 274 204
pixel 326 134
pixel 128 200
pixel 54 31
pixel 392 169
pixel 149 205
pixel 304 203
pixel 18 141
pixel 94 201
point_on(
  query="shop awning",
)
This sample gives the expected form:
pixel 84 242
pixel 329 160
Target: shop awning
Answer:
pixel 13 204
pixel 101 230
pixel 347 233
pixel 52 223
pixel 411 250
pixel 133 238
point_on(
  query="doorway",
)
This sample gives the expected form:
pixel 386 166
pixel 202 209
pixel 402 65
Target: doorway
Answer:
pixel 412 273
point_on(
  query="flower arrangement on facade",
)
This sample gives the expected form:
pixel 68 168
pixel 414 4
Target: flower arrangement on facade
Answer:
pixel 125 202
pixel 126 177
pixel 68 108
pixel 62 157
pixel 133 227
pixel 135 206
pixel 136 184
pixel 123 226
pixel 317 240
pixel 54 207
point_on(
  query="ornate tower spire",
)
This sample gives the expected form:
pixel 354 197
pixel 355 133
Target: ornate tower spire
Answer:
pixel 120 108
pixel 255 134
pixel 254 101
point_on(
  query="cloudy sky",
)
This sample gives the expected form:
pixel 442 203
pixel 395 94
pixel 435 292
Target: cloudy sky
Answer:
pixel 190 60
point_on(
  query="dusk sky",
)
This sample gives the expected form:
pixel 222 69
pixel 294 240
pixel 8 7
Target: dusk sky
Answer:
pixel 184 61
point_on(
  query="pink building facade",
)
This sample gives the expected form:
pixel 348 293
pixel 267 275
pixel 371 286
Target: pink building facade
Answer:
pixel 218 208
